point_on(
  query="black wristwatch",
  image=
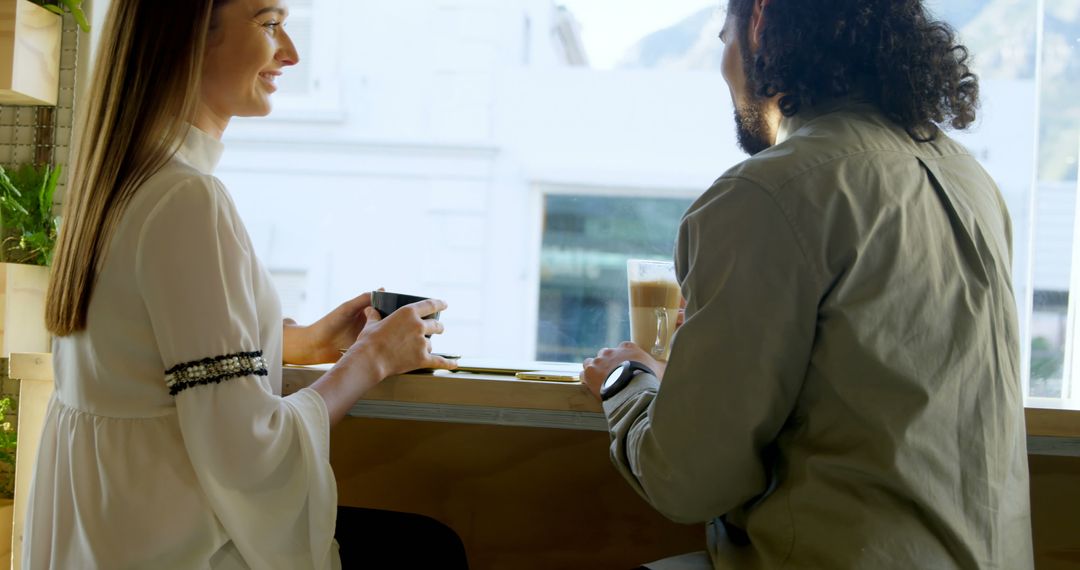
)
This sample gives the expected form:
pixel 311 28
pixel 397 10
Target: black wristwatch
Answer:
pixel 620 377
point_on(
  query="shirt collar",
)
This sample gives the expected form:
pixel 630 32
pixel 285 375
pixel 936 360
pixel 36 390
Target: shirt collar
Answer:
pixel 788 125
pixel 200 150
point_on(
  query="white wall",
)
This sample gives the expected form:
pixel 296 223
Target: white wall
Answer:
pixel 455 117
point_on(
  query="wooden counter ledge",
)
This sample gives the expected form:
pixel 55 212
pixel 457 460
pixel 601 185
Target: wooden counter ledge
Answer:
pixel 1053 426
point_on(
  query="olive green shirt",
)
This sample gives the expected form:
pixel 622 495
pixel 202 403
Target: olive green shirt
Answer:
pixel 845 391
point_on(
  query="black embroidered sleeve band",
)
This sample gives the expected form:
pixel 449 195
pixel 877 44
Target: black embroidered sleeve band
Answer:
pixel 214 370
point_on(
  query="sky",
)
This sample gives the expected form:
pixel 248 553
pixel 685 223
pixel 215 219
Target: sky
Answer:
pixel 610 27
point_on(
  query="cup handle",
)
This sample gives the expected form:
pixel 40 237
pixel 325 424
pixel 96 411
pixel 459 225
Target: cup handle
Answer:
pixel 661 332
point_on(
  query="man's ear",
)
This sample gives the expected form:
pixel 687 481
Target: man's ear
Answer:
pixel 757 23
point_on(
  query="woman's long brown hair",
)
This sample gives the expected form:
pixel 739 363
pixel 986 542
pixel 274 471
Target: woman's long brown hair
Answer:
pixel 141 101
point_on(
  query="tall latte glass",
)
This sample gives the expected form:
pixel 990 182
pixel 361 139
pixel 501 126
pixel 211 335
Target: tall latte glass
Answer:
pixel 654 305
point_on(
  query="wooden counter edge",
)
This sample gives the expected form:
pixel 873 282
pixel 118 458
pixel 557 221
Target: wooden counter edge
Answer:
pixel 1063 420
pixel 464 389
pixel 1049 422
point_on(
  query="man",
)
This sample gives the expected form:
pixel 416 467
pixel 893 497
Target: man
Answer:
pixel 844 392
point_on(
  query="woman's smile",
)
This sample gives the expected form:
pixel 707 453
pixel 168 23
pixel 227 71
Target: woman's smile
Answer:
pixel 268 78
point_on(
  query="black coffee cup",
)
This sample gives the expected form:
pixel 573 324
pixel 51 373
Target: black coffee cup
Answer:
pixel 386 302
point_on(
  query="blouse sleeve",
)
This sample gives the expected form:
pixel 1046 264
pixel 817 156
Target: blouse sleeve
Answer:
pixel 262 460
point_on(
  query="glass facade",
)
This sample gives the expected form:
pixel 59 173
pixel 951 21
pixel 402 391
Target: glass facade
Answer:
pixel 586 242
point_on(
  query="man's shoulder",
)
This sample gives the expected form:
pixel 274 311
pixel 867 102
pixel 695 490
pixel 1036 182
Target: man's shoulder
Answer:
pixel 831 144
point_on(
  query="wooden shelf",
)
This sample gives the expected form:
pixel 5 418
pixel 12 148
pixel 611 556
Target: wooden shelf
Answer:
pixel 29 54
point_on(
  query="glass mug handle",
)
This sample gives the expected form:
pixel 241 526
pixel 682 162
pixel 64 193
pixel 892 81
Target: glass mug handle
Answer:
pixel 661 332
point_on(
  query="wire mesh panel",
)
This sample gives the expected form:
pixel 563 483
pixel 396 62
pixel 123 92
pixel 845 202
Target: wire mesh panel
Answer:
pixel 40 135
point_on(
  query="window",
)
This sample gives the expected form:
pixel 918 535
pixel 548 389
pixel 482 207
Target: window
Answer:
pixel 1027 62
pixel 494 153
pixel 586 242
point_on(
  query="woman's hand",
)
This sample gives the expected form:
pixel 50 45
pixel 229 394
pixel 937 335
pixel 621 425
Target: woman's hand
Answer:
pixel 398 344
pixel 382 348
pixel 323 341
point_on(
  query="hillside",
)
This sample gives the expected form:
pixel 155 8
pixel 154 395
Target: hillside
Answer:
pixel 999 33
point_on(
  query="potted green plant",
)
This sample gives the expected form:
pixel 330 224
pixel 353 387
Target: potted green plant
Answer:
pixel 27 224
pixel 8 443
pixel 28 231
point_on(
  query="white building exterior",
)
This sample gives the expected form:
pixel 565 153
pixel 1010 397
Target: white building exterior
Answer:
pixel 413 148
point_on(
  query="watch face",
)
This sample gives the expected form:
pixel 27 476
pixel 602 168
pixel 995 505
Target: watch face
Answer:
pixel 613 377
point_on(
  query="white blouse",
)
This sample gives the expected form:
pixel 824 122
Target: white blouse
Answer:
pixel 167 443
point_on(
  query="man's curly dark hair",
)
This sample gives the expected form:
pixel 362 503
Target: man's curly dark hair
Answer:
pixel 910 65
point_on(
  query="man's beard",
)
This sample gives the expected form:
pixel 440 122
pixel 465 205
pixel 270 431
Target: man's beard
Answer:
pixel 751 129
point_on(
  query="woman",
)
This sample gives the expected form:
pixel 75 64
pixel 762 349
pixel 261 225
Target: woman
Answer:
pixel 167 443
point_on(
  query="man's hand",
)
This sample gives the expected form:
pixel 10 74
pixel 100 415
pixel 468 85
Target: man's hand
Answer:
pixel 597 369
